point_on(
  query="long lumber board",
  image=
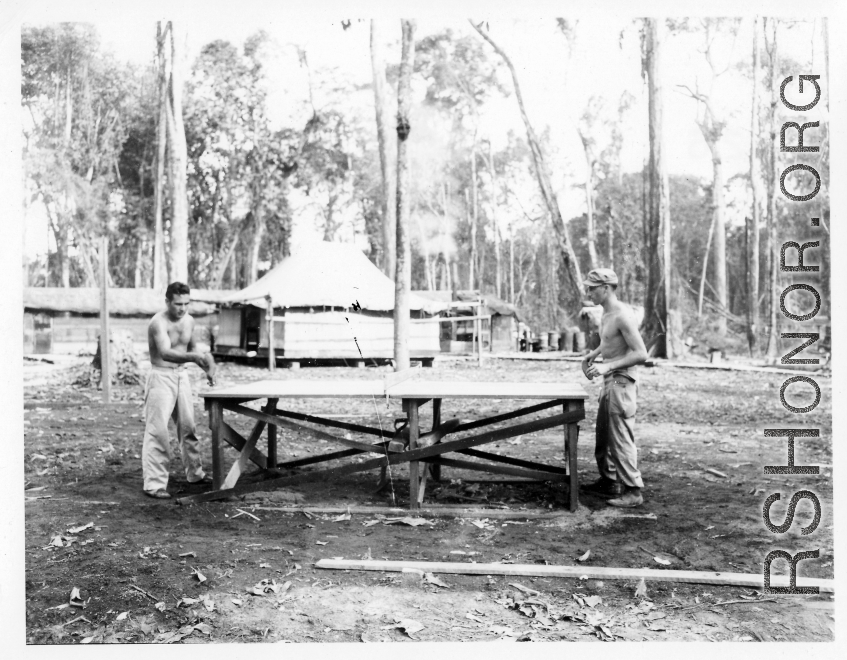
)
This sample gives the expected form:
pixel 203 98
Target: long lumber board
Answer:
pixel 592 572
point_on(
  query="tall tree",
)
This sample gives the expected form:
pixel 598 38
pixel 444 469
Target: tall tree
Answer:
pixel 403 271
pixel 159 260
pixel 569 262
pixel 658 231
pixel 771 47
pixel 712 129
pixel 177 158
pixel 754 219
pixel 385 141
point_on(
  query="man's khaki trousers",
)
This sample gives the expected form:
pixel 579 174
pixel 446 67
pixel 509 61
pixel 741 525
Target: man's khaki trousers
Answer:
pixel 168 395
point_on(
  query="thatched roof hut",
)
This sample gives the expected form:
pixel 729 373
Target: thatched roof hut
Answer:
pixel 122 302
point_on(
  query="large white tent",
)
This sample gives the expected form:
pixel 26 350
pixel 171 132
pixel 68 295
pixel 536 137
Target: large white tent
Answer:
pixel 329 275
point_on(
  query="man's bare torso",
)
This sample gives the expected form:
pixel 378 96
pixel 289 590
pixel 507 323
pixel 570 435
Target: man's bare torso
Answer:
pixel 179 332
pixel 612 342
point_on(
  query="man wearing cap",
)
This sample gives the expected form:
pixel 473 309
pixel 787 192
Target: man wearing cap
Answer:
pixel 622 349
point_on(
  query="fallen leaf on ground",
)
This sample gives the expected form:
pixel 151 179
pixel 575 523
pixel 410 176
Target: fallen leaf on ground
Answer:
pixel 121 616
pixel 641 589
pixel 185 602
pixel 409 626
pixel 412 522
pixel 593 601
pixel 662 561
pixel 160 606
pixel 265 586
pixel 236 601
pixel 431 579
pixel 75 599
pixel 526 590
pixel 321 542
pixel 188 554
pixel 81 528
pixel 585 556
pixel 342 517
pixel 200 577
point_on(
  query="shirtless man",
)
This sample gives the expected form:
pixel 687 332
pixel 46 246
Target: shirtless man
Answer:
pixel 168 394
pixel 621 347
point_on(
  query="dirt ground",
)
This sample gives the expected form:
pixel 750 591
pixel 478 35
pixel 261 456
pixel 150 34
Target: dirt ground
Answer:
pixel 153 571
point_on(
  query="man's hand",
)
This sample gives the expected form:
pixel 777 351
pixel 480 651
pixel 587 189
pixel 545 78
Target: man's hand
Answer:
pixel 586 366
pixel 210 368
pixel 596 370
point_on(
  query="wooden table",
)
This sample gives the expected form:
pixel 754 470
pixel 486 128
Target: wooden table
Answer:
pixel 424 452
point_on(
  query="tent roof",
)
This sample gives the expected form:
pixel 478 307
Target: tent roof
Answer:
pixel 328 275
pixel 123 302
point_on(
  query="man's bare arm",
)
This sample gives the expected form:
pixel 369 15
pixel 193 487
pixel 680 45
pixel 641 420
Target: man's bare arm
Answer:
pixel 162 342
pixel 207 364
pixel 636 353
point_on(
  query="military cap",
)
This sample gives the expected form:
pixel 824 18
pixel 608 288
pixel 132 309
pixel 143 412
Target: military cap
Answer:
pixel 601 276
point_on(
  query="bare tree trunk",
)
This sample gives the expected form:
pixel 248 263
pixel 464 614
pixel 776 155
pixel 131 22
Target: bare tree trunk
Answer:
pixel 178 166
pixel 256 241
pixel 389 181
pixel 568 257
pixel 159 272
pixel 753 224
pixel 498 265
pixel 657 298
pixel 511 262
pixel 610 229
pixel 474 216
pixel 403 269
pixel 719 253
pixel 591 230
pixel 705 267
pixel 773 283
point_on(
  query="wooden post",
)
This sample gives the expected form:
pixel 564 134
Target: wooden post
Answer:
pixel 272 453
pixel 269 317
pixel 571 436
pixel 411 406
pixel 216 419
pixel 105 361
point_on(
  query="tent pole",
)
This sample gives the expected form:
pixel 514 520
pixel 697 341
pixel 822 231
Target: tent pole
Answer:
pixel 269 317
pixel 105 358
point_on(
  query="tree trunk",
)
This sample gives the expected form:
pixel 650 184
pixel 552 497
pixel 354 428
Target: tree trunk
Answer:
pixel 753 222
pixel 590 229
pixel 159 272
pixel 178 167
pixel 657 297
pixel 511 262
pixel 474 217
pixel 389 181
pixel 568 257
pixel 498 265
pixel 610 246
pixel 719 253
pixel 403 269
pixel 705 268
pixel 773 283
pixel 256 241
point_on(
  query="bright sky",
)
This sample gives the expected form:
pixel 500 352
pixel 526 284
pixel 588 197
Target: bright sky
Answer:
pixel 604 62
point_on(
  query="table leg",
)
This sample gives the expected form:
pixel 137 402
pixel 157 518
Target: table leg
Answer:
pixel 272 455
pixel 411 406
pixel 216 418
pixel 435 470
pixel 571 436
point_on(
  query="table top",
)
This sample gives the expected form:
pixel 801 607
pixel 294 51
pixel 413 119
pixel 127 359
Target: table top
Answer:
pixel 409 389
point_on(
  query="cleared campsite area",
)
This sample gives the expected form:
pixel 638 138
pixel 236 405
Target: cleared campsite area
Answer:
pixel 191 574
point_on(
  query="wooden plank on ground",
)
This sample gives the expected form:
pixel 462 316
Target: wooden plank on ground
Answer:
pixel 434 511
pixel 754 580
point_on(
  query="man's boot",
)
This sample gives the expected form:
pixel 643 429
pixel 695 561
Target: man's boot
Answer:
pixel 630 499
pixel 603 487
